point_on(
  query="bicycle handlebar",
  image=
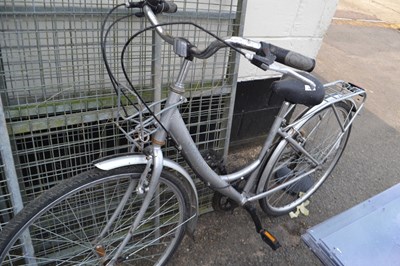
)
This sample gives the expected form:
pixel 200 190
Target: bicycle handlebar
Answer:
pixel 262 50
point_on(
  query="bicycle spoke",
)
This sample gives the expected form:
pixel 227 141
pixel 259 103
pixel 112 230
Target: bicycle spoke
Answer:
pixel 170 231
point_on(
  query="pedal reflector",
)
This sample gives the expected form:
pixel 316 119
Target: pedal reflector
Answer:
pixel 271 240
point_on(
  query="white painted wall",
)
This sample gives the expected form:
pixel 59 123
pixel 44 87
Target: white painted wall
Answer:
pixel 298 25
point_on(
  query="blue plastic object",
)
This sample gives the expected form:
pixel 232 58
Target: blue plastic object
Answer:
pixel 367 234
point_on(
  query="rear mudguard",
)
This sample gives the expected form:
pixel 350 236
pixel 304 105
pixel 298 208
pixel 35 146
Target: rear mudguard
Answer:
pixel 113 162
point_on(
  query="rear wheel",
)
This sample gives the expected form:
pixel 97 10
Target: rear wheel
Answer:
pixel 323 138
pixel 65 224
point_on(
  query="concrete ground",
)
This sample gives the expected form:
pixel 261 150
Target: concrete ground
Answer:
pixel 354 49
pixel 383 10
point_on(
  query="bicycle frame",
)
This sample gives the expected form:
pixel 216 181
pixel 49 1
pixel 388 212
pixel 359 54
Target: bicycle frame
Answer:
pixel 173 123
pixel 172 120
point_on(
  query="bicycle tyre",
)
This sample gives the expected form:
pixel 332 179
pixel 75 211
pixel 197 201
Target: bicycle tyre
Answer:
pixel 319 135
pixel 65 220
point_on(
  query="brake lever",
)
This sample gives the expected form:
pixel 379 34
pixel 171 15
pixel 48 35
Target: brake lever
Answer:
pixel 262 62
pixel 263 58
pixel 294 74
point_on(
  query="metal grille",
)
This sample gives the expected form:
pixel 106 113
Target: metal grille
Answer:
pixel 58 100
pixel 5 197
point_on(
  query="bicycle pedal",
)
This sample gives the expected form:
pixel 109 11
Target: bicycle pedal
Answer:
pixel 271 240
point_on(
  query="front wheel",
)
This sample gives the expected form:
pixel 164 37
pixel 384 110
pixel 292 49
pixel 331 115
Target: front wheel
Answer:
pixel 322 137
pixel 64 226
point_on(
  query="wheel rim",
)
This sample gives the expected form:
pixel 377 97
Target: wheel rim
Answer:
pixel 319 135
pixel 65 231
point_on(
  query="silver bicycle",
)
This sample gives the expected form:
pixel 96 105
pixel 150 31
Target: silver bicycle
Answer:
pixel 134 209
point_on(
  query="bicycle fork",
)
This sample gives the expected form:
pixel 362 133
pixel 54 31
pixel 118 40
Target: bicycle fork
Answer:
pixel 156 164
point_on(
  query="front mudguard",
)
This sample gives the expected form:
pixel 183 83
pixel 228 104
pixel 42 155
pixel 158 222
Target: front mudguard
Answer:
pixel 113 162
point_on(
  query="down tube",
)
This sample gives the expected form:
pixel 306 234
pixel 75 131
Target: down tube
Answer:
pixel 197 163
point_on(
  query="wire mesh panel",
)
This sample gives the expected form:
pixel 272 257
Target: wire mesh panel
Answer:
pixel 58 100
pixel 6 209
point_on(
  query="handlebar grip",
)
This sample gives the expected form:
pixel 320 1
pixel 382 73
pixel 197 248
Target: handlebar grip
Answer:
pixel 292 59
pixel 161 6
pixel 168 7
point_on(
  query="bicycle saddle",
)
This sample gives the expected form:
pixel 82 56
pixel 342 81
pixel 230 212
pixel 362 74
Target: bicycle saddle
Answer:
pixel 296 91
